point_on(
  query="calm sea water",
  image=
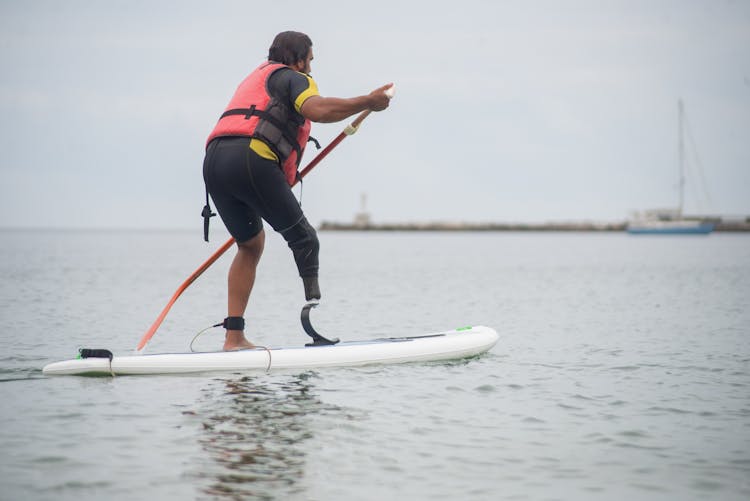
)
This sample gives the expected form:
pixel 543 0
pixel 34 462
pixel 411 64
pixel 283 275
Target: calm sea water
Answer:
pixel 623 370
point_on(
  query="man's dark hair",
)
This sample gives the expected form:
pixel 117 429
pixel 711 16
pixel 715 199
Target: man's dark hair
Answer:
pixel 288 47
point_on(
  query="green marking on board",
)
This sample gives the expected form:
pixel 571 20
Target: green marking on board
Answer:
pixel 468 328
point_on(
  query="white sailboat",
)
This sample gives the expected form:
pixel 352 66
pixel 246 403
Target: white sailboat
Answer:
pixel 671 221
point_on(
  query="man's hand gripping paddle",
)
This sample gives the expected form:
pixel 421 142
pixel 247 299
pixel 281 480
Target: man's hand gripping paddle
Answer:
pixel 348 131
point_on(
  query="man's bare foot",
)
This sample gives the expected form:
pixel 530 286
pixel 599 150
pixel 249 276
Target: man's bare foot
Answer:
pixel 236 340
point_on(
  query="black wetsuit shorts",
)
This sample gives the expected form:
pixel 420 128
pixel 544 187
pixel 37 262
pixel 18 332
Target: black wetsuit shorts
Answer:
pixel 247 188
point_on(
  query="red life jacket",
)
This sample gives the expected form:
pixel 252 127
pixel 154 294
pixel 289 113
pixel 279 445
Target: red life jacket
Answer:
pixel 254 113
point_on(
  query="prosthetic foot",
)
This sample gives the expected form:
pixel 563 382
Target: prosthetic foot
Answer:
pixel 312 295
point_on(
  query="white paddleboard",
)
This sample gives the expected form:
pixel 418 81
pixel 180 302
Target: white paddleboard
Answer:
pixel 448 345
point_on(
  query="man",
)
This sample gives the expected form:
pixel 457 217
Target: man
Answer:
pixel 252 157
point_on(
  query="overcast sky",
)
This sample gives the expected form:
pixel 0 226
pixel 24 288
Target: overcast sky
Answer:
pixel 505 111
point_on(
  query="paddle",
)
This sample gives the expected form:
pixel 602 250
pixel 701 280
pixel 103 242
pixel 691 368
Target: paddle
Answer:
pixel 348 131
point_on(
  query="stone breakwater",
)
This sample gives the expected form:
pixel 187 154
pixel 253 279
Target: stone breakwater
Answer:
pixel 723 226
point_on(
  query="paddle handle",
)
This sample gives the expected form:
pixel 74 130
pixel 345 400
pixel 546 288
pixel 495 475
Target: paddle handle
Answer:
pixel 354 126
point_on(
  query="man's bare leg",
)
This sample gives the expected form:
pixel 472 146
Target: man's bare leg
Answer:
pixel 240 284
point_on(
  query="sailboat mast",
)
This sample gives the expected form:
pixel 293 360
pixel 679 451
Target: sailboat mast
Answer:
pixel 681 155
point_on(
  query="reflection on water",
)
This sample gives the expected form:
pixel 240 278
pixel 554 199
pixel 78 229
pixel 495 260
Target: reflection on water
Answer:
pixel 253 432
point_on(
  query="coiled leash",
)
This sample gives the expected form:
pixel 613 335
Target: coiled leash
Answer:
pixel 231 323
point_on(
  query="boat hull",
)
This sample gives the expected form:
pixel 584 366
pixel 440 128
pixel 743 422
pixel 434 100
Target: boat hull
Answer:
pixel 671 228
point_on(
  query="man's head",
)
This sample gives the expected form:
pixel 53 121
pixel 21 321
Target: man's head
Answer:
pixel 293 49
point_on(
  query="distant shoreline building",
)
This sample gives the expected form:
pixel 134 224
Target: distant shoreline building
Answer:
pixel 362 218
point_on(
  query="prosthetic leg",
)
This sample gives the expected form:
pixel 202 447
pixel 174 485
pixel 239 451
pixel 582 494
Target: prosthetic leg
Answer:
pixel 304 244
